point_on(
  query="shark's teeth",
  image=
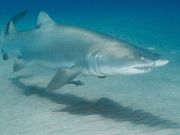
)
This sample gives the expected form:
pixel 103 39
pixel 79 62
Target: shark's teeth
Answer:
pixel 144 67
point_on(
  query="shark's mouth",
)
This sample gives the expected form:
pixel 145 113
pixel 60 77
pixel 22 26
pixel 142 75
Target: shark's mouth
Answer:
pixel 150 66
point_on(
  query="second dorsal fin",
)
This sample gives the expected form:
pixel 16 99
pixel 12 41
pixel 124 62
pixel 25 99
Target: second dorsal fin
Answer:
pixel 44 19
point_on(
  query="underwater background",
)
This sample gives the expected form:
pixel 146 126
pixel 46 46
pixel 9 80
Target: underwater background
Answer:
pixel 146 104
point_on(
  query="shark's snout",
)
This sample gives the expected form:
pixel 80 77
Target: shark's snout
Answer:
pixel 146 60
pixel 159 63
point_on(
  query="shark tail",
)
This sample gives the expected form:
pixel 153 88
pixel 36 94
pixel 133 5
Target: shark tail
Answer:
pixel 13 21
pixel 10 28
pixel 3 52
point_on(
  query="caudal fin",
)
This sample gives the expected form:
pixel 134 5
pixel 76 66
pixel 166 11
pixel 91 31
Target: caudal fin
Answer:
pixel 14 20
pixel 8 29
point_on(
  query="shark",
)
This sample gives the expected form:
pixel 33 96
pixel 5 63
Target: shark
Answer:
pixel 73 51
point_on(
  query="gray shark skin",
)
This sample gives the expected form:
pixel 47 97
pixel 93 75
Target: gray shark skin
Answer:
pixel 74 51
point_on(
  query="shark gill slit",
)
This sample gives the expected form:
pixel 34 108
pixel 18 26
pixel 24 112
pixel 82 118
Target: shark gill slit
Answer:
pixel 92 63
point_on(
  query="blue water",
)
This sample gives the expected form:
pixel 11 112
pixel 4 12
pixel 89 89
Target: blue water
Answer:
pixel 146 104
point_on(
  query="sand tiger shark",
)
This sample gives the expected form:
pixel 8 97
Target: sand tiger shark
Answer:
pixel 73 51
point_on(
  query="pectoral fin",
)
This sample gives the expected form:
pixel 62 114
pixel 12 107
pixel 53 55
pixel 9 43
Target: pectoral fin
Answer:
pixel 62 77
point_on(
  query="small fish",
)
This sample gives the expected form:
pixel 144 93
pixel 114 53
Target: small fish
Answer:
pixel 76 83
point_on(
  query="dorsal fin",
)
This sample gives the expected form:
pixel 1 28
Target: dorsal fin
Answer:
pixel 44 19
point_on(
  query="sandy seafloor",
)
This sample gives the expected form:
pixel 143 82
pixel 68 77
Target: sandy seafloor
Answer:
pixel 147 104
